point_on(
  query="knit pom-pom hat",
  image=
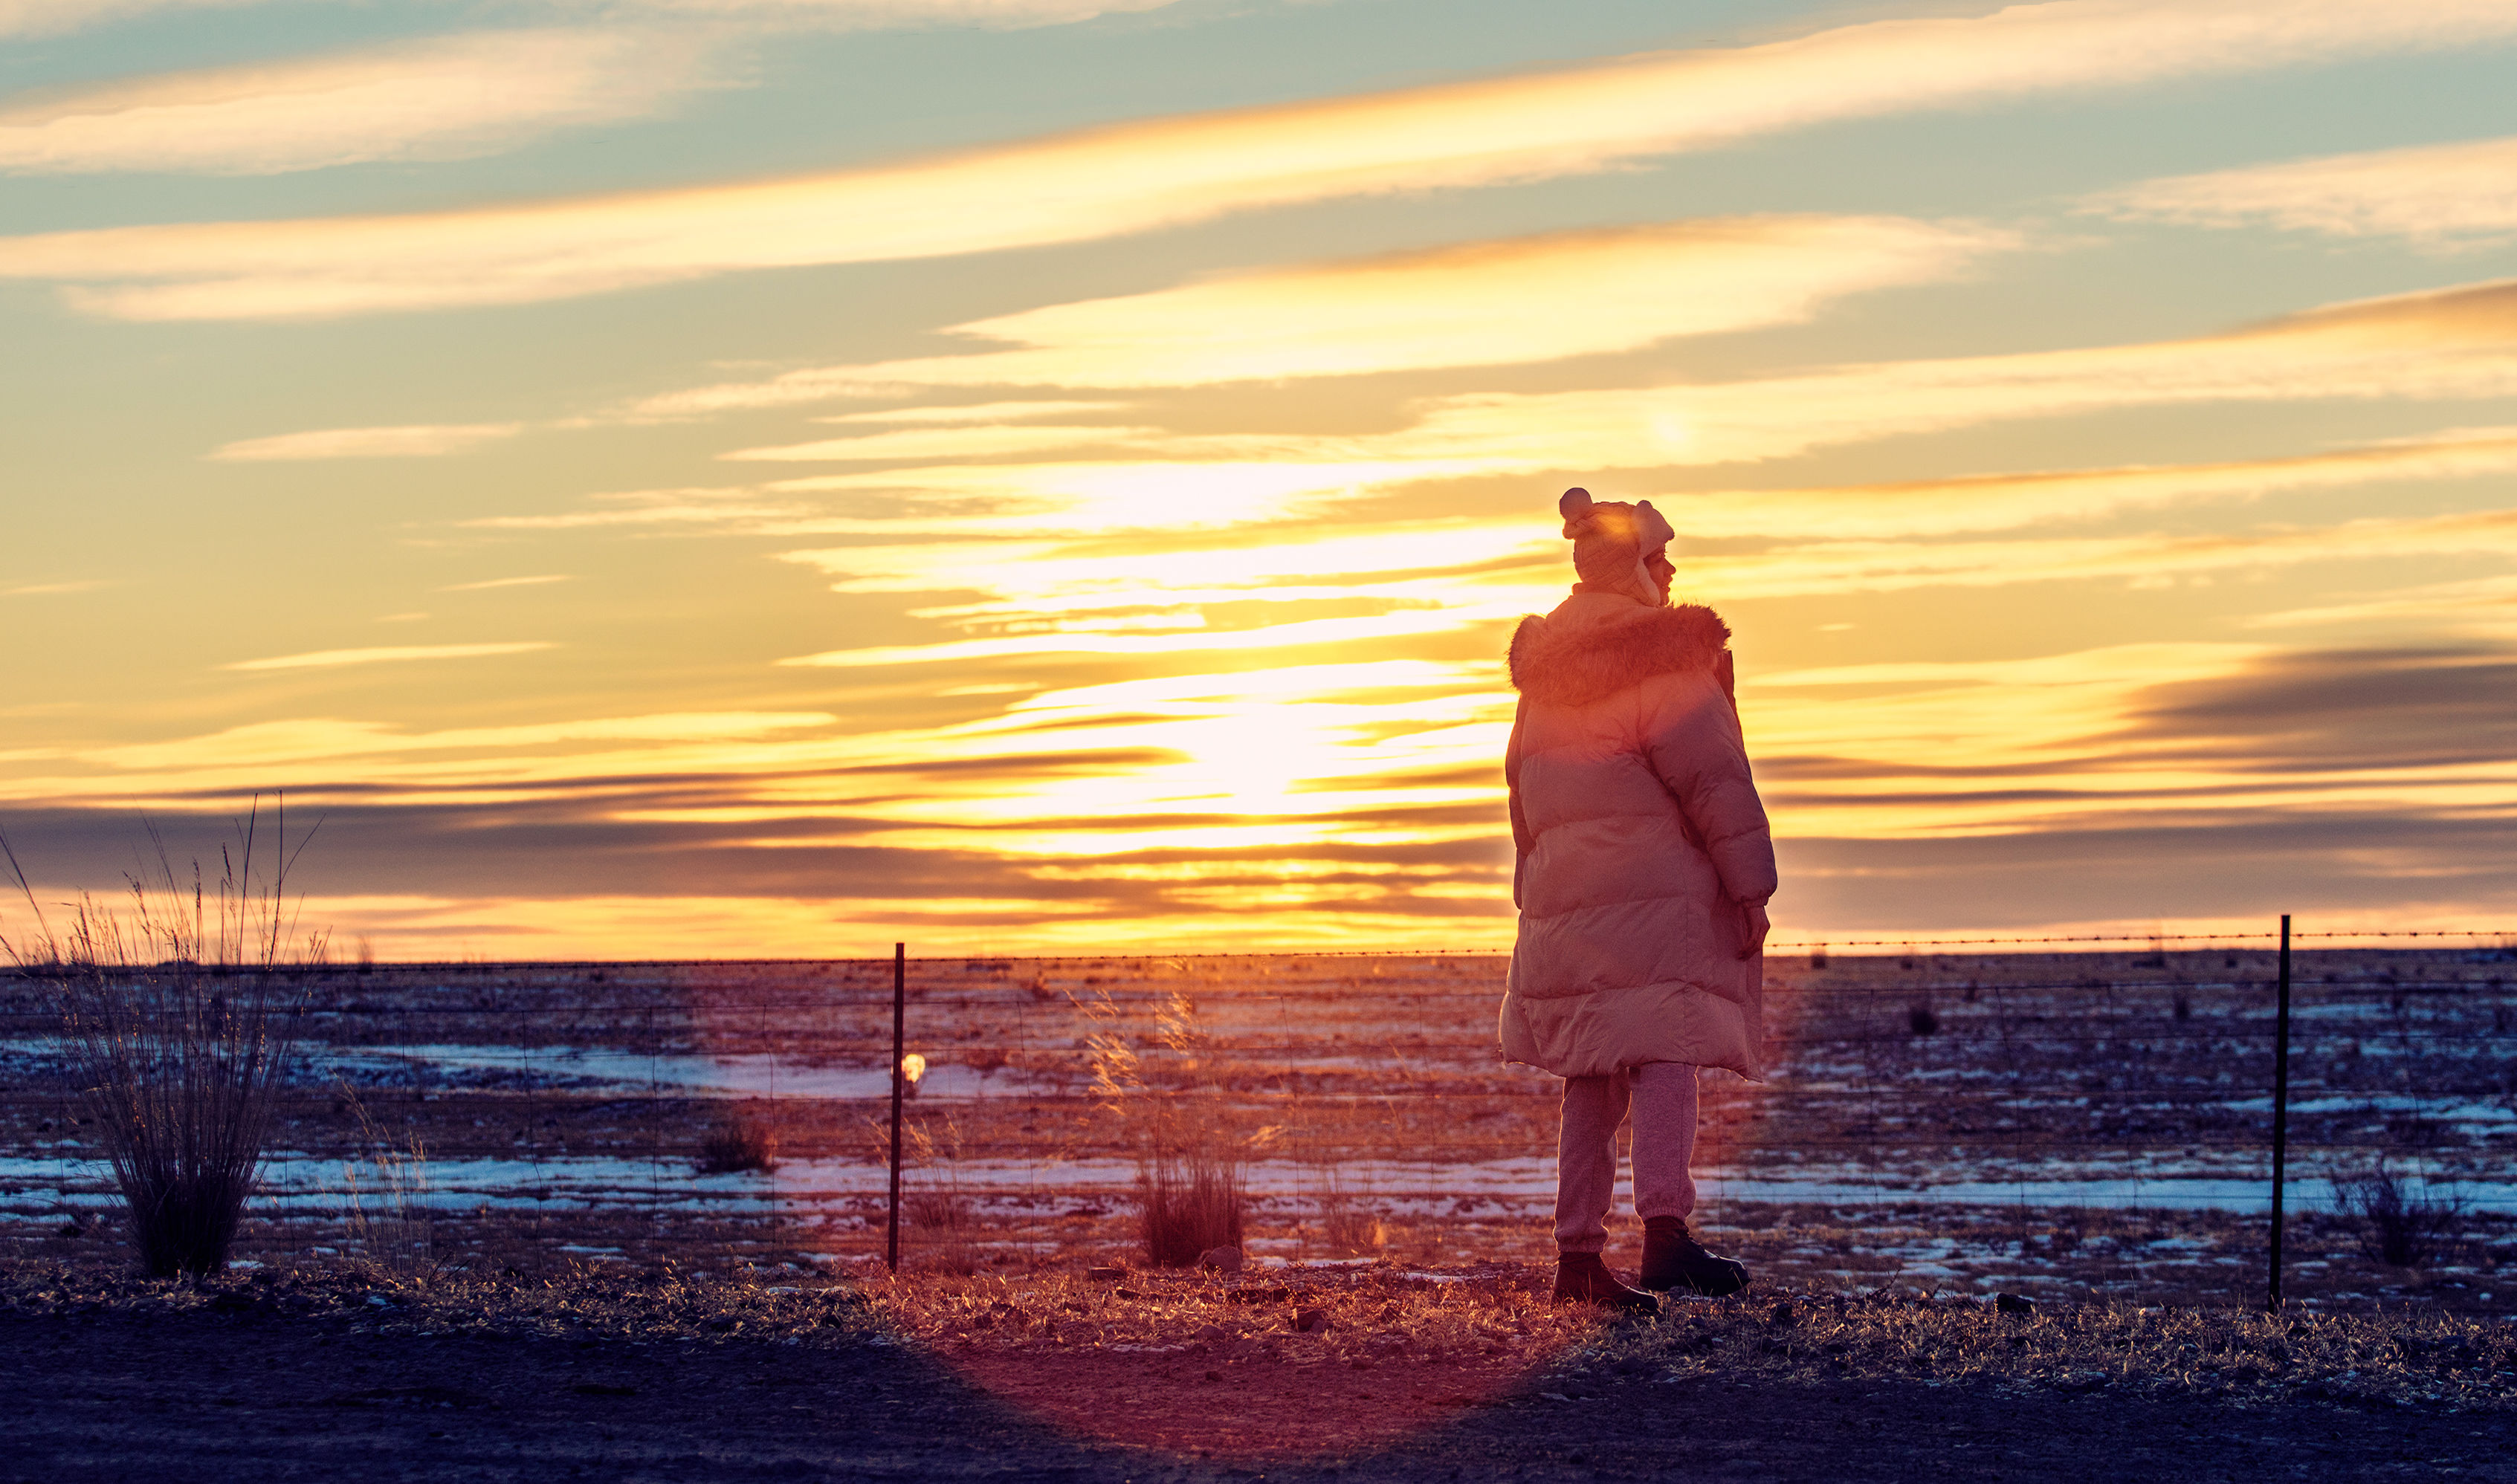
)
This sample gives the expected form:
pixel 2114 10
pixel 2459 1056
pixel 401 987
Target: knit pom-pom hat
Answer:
pixel 1611 540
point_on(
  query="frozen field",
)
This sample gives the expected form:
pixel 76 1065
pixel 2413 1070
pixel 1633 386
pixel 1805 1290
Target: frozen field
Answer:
pixel 2087 1118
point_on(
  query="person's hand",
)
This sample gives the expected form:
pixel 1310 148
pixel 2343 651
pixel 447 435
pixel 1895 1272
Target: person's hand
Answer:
pixel 1753 928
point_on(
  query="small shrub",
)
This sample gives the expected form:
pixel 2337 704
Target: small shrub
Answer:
pixel 1188 1208
pixel 2183 1006
pixel 1922 1019
pixel 945 1210
pixel 2404 1223
pixel 1350 1231
pixel 953 1259
pixel 175 1021
pixel 1817 957
pixel 738 1145
pixel 938 1203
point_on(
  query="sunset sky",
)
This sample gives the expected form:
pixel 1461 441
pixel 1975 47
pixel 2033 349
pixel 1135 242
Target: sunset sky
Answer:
pixel 727 478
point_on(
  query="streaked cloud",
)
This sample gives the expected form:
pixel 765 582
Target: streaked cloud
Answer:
pixel 689 509
pixel 48 17
pixel 2148 559
pixel 1045 607
pixel 1137 175
pixel 1057 594
pixel 889 15
pixel 2437 195
pixel 1920 508
pixel 1179 483
pixel 444 98
pixel 2459 343
pixel 2456 343
pixel 977 412
pixel 497 582
pixel 2197 740
pixel 2461 609
pixel 2363 709
pixel 54 589
pixel 956 443
pixel 419 440
pixel 323 659
pixel 1511 300
pixel 299 740
pixel 39 18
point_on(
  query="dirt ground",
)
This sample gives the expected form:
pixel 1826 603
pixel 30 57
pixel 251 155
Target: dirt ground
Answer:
pixel 240 1388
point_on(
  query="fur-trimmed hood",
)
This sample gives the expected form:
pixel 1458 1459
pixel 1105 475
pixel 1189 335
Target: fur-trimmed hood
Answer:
pixel 1566 662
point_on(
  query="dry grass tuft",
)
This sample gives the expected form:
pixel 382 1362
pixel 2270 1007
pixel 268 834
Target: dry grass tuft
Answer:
pixel 1187 1210
pixel 390 1221
pixel 942 1210
pixel 1189 1193
pixel 2404 1222
pixel 739 1144
pixel 175 1022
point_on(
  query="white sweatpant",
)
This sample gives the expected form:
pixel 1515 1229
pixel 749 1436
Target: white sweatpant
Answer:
pixel 1662 1095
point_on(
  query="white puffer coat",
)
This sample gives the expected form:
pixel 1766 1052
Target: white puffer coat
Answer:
pixel 1639 835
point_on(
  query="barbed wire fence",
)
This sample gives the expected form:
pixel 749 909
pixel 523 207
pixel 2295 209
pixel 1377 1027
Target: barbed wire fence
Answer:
pixel 2027 1071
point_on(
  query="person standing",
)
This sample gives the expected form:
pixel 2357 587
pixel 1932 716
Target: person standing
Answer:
pixel 1642 865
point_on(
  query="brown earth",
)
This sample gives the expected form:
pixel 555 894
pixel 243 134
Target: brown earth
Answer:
pixel 263 1392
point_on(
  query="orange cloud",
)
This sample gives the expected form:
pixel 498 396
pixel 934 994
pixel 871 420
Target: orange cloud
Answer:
pixel 2457 343
pixel 425 441
pixel 1513 300
pixel 326 660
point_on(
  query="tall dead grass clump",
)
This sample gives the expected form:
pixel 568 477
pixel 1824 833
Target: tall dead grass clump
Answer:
pixel 2403 1222
pixel 1188 1207
pixel 738 1144
pixel 176 1020
pixel 938 1202
pixel 391 1221
pixel 1190 1190
pixel 1349 1227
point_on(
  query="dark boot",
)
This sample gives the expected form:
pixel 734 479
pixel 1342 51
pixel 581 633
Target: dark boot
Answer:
pixel 1672 1259
pixel 1582 1278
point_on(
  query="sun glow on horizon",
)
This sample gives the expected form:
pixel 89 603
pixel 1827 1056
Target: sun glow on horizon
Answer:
pixel 952 508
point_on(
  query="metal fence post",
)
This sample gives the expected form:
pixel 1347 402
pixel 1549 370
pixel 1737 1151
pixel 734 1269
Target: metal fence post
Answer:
pixel 2280 1111
pixel 899 1024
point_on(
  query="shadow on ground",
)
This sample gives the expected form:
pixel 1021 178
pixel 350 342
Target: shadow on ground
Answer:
pixel 209 1396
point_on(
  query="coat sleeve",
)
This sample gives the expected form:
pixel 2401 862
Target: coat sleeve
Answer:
pixel 1691 735
pixel 1522 842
